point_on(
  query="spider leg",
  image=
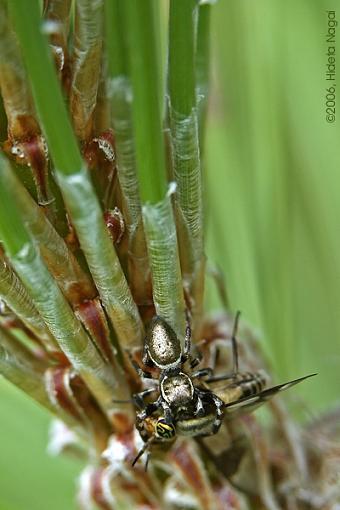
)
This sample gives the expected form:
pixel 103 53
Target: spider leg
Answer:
pixel 210 398
pixel 139 370
pixel 203 372
pixel 220 377
pixel 149 409
pixel 217 275
pixel 187 339
pixel 219 413
pixel 168 416
pixel 138 398
pixel 195 361
pixel 199 411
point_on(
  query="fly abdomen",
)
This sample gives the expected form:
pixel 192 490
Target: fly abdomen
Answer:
pixel 251 383
pixel 241 385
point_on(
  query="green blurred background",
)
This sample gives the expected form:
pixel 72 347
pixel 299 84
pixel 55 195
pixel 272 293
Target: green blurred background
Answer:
pixel 273 183
pixel 272 188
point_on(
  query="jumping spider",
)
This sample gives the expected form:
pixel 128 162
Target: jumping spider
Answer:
pixel 185 407
pixel 179 398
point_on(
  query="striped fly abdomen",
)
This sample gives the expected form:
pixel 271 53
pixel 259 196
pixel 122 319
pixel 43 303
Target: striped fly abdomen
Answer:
pixel 242 385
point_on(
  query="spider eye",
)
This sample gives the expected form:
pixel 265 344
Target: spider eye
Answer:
pixel 165 430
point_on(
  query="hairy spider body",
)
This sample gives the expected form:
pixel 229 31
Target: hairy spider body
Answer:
pixel 178 397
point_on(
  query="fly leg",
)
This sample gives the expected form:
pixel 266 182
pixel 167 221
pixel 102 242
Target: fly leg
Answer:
pixel 145 447
pixel 217 275
pixel 235 371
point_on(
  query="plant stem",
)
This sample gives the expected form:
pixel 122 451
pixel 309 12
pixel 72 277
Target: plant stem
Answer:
pixel 185 145
pixel 51 304
pixel 202 67
pixel 115 38
pixel 144 70
pixel 183 20
pixel 76 285
pixel 22 373
pixel 166 272
pixel 120 91
pixel 74 179
pixel 18 300
pixel 88 44
pixel 46 91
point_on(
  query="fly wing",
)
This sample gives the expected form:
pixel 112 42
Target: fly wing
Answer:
pixel 249 404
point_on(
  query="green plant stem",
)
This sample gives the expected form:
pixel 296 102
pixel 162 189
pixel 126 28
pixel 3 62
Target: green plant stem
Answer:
pixel 185 145
pixel 182 27
pixel 138 264
pixel 24 135
pixel 15 90
pixel 74 179
pixel 202 67
pixel 144 70
pixel 28 374
pixel 120 92
pixel 22 373
pixel 17 299
pixel 88 44
pixel 115 38
pixel 15 346
pixel 166 272
pixel 46 91
pixel 74 282
pixel 52 306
